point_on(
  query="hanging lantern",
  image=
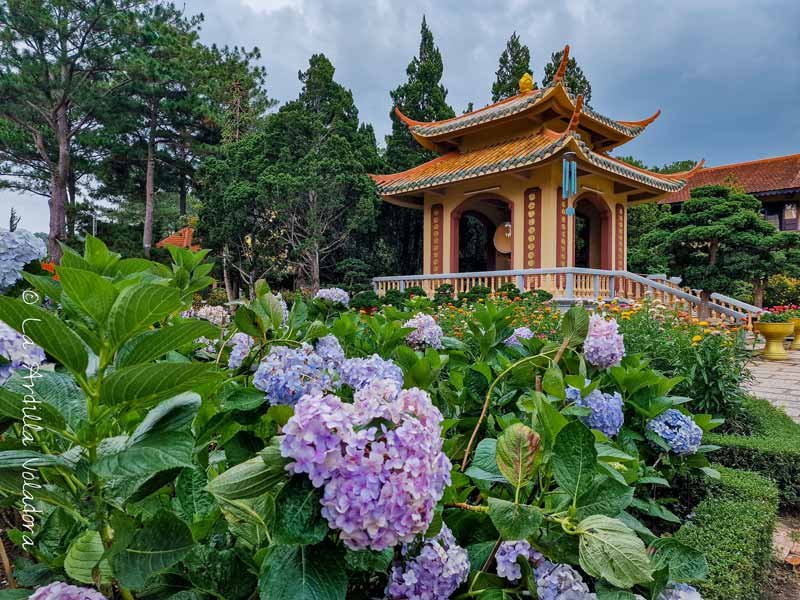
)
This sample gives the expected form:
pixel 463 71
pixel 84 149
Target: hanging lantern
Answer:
pixel 569 175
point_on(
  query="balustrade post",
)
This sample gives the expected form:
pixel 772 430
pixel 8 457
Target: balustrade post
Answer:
pixel 521 284
pixel 596 286
pixel 569 291
pixel 611 292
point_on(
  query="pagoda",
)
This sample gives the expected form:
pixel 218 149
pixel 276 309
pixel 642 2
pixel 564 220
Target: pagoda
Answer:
pixel 499 181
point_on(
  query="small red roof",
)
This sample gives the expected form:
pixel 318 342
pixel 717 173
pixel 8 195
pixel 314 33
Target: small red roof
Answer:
pixel 181 238
pixel 768 175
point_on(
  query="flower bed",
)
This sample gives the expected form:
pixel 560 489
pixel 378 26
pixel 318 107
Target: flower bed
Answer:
pixel 321 451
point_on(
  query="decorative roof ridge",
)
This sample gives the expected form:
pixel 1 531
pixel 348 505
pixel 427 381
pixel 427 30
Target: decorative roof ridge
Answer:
pixel 754 162
pixel 686 175
pixel 562 66
pixel 575 120
pixel 680 176
pixel 643 122
pixel 657 180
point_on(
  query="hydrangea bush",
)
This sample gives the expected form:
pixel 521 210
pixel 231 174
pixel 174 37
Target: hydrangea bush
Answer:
pixel 334 295
pixel 17 352
pixel 17 249
pixel 332 454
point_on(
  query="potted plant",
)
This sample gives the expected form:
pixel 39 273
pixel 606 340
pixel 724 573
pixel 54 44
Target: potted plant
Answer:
pixel 794 317
pixel 775 326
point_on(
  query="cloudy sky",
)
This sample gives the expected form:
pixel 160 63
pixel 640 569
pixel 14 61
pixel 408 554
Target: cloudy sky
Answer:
pixel 725 73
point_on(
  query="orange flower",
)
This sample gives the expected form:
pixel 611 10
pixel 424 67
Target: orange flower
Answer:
pixel 50 267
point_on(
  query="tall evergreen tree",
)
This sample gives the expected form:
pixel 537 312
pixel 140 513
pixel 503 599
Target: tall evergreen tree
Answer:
pixel 574 79
pixel 515 61
pixel 424 98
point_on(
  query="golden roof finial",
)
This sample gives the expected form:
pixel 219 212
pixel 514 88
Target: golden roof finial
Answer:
pixel 525 83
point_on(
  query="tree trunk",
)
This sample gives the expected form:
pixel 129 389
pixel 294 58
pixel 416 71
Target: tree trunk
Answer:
pixel 147 238
pixel 315 271
pixel 72 212
pixel 226 276
pixel 758 293
pixel 182 195
pixel 58 187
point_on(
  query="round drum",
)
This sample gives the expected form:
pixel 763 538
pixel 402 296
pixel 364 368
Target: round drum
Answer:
pixel 502 238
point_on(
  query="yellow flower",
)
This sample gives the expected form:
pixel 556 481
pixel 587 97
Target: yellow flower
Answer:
pixel 697 338
pixel 703 323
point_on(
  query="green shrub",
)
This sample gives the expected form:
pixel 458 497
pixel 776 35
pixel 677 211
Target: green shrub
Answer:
pixel 772 449
pixel 782 290
pixel 540 295
pixel 510 289
pixel 394 297
pixel 415 290
pixel 475 293
pixel 365 300
pixel 218 297
pixel 733 527
pixel 444 294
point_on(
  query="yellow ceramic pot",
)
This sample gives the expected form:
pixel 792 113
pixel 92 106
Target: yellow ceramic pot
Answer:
pixel 775 333
pixel 796 341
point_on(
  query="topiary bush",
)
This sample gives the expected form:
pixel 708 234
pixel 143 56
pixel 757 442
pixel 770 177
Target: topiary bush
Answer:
pixel 772 448
pixel 365 300
pixel 733 527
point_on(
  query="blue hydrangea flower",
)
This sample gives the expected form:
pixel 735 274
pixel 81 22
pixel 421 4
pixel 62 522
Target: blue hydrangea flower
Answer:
pixel 330 350
pixel 242 344
pixel 560 582
pixel 334 295
pixel 426 334
pixel 286 374
pixel 603 346
pixel 63 591
pixel 17 249
pixel 680 432
pixel 433 574
pixel 679 591
pixel 506 557
pixel 360 372
pixel 607 414
pixel 18 350
pixel 520 333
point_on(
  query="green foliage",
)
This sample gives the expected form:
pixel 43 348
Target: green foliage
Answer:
pixel 515 61
pixel 772 449
pixel 574 79
pixel 781 291
pixel 365 300
pixel 733 527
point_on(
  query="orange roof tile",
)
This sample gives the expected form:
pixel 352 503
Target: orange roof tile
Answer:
pixel 181 238
pixel 518 153
pixel 764 176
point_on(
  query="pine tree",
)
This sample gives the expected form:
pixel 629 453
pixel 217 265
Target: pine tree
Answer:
pixel 574 79
pixel 515 61
pixel 424 98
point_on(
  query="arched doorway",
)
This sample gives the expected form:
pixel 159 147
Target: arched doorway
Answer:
pixel 473 227
pixel 592 233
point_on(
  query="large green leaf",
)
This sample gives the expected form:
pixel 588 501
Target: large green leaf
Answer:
pixel 514 521
pixel 548 421
pixel 143 385
pixel 45 285
pixel 34 414
pixel 484 463
pixel 194 502
pixel 84 559
pixel 55 389
pixel 249 519
pixel 574 458
pixel 611 551
pixel 248 479
pixel 151 345
pixel 150 455
pixel 303 573
pixel 175 414
pixel 58 340
pixel 607 497
pixel 516 454
pixel 163 542
pixel 685 564
pixel 92 294
pixel 28 459
pixel 575 325
pixel 297 514
pixel 138 307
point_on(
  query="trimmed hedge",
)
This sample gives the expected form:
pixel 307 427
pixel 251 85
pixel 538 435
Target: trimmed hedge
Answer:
pixel 733 526
pixel 772 450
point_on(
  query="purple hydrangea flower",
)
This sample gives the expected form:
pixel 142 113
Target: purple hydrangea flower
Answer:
pixel 286 374
pixel 607 414
pixel 433 574
pixel 63 591
pixel 379 460
pixel 331 352
pixel 680 432
pixel 506 557
pixel 360 372
pixel 426 334
pixel 679 591
pixel 17 249
pixel 242 344
pixel 18 350
pixel 520 333
pixel 334 295
pixel 314 435
pixel 603 346
pixel 560 582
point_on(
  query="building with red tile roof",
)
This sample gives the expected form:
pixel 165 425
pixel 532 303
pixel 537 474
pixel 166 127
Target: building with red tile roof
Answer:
pixel 183 238
pixel 775 181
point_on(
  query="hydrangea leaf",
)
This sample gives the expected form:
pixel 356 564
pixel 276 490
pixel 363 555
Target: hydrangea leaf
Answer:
pixel 685 564
pixel 575 325
pixel 516 454
pixel 151 345
pixel 369 560
pixel 297 517
pixel 84 556
pixel 611 551
pixel 514 521
pixel 574 459
pixel 144 385
pixel 606 497
pixel 248 479
pixel 484 463
pixel 303 573
pixel 138 307
pixel 92 294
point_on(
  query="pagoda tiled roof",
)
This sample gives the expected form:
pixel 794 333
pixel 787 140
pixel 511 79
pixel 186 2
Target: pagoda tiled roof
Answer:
pixel 515 154
pixel 767 176
pixel 182 239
